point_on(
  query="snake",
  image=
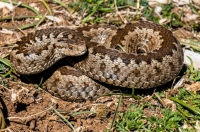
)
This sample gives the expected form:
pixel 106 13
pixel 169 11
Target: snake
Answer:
pixel 140 54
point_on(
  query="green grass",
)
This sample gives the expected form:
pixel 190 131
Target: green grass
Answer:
pixel 130 119
pixel 162 119
pixel 192 73
pixel 5 68
pixel 97 7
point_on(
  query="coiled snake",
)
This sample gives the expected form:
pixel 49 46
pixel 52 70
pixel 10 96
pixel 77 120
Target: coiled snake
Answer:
pixel 140 54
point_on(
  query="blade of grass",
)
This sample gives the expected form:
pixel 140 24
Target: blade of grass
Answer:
pixel 185 105
pixel 185 114
pixel 62 4
pixel 191 65
pixel 192 43
pixel 7 63
pixel 17 18
pixel 27 25
pixel 31 25
pixel 47 6
pixel 2 120
pixel 62 117
pixel 82 112
pixel 116 110
pixel 120 46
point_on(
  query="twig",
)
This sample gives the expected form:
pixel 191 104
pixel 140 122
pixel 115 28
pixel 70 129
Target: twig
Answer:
pixel 117 12
pixel 41 20
pixel 13 15
pixel 28 117
pixel 5 88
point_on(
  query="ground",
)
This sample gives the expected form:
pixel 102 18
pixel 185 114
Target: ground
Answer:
pixel 26 107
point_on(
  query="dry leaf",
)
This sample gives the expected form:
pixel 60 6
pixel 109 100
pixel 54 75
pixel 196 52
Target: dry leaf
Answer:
pixel 193 87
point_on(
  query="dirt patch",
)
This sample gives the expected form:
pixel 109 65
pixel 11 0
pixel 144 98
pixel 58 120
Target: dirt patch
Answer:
pixel 30 109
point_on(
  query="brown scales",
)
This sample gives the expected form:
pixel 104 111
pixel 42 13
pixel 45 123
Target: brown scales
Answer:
pixel 148 66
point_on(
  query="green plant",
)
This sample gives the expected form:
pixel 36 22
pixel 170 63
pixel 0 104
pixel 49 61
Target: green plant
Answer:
pixel 130 120
pixel 193 73
pixel 5 68
pixel 98 7
pixel 171 121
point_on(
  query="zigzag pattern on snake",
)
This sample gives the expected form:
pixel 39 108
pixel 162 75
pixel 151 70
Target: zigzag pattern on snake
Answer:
pixel 140 54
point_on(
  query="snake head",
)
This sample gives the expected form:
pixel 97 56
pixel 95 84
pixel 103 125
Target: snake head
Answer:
pixel 38 51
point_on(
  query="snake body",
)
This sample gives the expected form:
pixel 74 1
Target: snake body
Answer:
pixel 141 55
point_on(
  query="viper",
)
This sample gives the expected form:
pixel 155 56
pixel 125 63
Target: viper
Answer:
pixel 140 54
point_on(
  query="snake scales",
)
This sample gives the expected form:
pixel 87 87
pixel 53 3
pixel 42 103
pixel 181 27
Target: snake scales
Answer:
pixel 150 56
